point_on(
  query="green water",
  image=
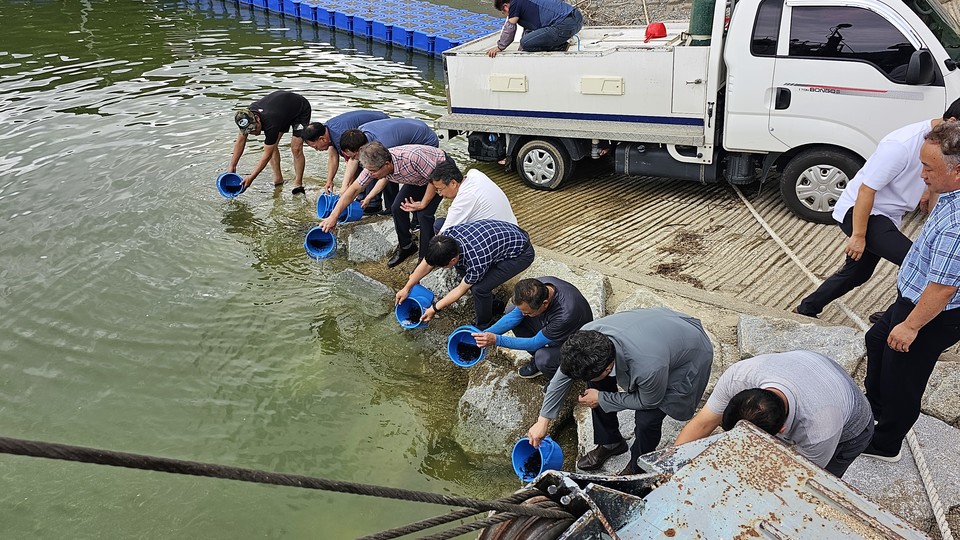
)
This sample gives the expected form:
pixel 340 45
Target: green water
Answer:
pixel 141 312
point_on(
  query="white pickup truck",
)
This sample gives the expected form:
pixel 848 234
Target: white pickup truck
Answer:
pixel 804 87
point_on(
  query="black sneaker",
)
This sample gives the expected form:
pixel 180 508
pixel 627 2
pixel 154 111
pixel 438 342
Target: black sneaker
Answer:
pixel 872 452
pixel 371 210
pixel 528 370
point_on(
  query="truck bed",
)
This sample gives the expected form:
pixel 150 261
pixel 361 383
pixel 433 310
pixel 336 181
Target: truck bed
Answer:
pixel 609 84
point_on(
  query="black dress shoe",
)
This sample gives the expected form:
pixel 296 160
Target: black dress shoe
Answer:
pixel 401 253
pixel 595 458
pixel 876 316
pixel 385 212
pixel 631 469
pixel 371 210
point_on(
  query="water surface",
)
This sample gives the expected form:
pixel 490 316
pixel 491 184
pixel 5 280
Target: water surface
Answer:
pixel 142 312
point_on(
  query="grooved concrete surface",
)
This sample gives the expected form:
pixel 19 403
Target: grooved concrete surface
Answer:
pixel 702 235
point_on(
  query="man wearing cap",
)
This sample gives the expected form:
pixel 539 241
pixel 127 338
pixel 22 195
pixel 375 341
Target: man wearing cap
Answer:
pixel 547 24
pixel 390 132
pixel 802 397
pixel 659 357
pixel 871 208
pixel 485 254
pixel 548 310
pixel 409 165
pixel 273 115
pixel 326 137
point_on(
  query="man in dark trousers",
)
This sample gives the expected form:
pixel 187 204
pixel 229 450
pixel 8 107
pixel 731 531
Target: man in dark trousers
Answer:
pixel 326 137
pixel 410 165
pixel 485 253
pixel 390 132
pixel 547 24
pixel 904 345
pixel 547 311
pixel 273 115
pixel 659 357
pixel 871 207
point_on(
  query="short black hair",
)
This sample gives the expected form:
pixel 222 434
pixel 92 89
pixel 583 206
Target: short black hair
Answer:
pixel 531 292
pixel 762 408
pixel 585 354
pixel 953 111
pixel 446 172
pixel 352 140
pixel 313 131
pixel 441 250
pixel 498 4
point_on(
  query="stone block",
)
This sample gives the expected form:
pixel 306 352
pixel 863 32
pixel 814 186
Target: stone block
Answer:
pixel 373 297
pixel 582 416
pixel 761 335
pixel 942 398
pixel 641 299
pixel 371 241
pixel 441 281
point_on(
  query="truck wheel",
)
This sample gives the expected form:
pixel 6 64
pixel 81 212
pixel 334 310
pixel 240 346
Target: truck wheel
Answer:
pixel 813 180
pixel 543 164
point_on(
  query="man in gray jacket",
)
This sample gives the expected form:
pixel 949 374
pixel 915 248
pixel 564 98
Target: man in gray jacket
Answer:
pixel 659 357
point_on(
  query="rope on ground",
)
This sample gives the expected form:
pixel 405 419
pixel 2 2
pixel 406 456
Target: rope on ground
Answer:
pixel 418 526
pixel 464 529
pixel 97 456
pixel 938 512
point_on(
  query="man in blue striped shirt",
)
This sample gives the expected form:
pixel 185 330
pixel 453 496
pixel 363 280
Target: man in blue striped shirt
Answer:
pixel 904 345
pixel 485 253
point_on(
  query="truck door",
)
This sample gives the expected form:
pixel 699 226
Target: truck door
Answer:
pixel 840 74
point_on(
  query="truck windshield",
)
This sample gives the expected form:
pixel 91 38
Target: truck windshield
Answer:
pixel 941 22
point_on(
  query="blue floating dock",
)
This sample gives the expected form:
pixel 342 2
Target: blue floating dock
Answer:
pixel 397 23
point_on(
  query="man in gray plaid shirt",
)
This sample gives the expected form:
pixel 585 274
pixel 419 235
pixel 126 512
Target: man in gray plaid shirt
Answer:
pixel 485 253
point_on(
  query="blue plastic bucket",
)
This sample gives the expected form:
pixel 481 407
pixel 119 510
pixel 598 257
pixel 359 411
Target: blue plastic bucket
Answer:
pixel 411 309
pixel 530 462
pixel 462 347
pixel 353 213
pixel 230 184
pixel 325 204
pixel 319 244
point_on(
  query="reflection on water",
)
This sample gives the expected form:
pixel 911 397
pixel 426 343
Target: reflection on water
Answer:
pixel 144 313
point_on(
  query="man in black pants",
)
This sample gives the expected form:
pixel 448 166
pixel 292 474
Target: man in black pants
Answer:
pixel 904 345
pixel 273 115
pixel 871 207
pixel 485 253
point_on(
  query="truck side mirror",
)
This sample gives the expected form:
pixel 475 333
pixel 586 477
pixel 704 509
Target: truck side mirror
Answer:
pixel 922 70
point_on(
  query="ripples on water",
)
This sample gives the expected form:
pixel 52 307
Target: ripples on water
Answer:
pixel 143 313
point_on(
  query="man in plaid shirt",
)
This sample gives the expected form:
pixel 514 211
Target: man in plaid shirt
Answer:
pixel 409 165
pixel 485 253
pixel 904 345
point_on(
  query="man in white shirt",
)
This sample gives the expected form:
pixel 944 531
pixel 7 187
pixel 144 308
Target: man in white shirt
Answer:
pixel 871 207
pixel 475 197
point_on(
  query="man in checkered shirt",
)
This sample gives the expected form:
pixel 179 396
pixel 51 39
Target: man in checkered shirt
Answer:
pixel 409 165
pixel 904 345
pixel 485 253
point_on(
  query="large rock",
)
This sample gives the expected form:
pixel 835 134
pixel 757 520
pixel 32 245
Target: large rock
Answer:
pixel 761 335
pixel 443 280
pixel 371 241
pixel 497 409
pixel 942 398
pixel 373 298
pixel 591 284
pixel 642 299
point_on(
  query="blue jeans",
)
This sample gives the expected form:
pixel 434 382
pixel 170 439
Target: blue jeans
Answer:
pixel 551 38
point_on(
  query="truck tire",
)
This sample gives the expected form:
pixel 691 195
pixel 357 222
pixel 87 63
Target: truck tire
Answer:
pixel 543 164
pixel 813 180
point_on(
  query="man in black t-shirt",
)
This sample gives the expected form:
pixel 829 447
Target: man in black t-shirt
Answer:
pixel 547 311
pixel 273 115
